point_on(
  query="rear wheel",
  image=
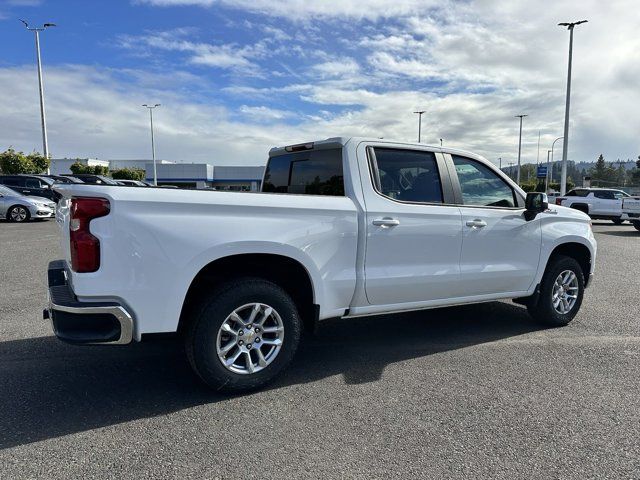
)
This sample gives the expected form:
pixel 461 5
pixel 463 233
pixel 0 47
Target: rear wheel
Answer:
pixel 18 213
pixel 617 221
pixel 561 292
pixel 636 225
pixel 244 335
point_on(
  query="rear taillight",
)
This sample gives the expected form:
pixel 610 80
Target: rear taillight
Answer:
pixel 559 201
pixel 85 248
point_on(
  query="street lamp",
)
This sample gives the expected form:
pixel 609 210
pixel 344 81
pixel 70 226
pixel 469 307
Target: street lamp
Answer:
pixel 420 113
pixel 440 142
pixel 565 145
pixel 36 31
pixel 153 146
pixel 546 178
pixel 519 147
pixel 553 145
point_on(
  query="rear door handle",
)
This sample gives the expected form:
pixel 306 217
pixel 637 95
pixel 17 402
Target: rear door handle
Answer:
pixel 386 222
pixel 477 223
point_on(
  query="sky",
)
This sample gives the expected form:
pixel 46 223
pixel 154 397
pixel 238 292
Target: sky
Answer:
pixel 237 77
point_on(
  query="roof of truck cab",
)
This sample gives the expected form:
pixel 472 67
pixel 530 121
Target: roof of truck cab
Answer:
pixel 337 142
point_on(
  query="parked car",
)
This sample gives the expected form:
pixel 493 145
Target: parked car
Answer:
pixel 598 203
pixel 631 210
pixel 92 179
pixel 17 207
pixel 62 179
pixel 32 185
pixel 344 227
pixel 131 183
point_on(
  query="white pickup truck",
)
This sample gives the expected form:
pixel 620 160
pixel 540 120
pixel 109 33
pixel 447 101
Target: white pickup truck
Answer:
pixel 598 203
pixel 343 227
pixel 631 211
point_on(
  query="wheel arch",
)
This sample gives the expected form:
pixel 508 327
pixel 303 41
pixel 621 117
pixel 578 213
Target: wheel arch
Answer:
pixel 579 252
pixel 285 271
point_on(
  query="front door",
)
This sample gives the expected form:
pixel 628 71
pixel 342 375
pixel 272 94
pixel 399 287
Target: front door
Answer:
pixel 500 248
pixel 414 234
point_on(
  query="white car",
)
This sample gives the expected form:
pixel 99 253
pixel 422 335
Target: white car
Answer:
pixel 16 207
pixel 598 203
pixel 344 227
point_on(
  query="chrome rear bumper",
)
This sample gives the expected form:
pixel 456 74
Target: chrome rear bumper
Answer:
pixel 84 323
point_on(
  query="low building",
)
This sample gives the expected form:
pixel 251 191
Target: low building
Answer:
pixel 63 165
pixel 204 175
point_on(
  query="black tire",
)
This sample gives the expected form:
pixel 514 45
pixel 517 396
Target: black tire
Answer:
pixel 636 225
pixel 202 333
pixel 18 219
pixel 617 221
pixel 582 208
pixel 543 310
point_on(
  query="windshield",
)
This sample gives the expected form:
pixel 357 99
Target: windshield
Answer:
pixel 4 190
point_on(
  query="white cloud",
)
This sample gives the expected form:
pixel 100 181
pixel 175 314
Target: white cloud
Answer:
pixel 305 10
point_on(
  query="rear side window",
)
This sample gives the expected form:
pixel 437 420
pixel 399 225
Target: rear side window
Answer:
pixel 12 181
pixel 407 175
pixel 313 172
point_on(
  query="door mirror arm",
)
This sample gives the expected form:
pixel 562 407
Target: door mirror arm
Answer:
pixel 535 203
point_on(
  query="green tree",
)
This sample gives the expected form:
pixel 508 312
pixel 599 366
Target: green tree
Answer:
pixel 12 162
pixel 40 162
pixel 603 173
pixel 128 174
pixel 79 168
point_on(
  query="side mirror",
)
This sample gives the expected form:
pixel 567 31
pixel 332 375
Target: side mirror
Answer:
pixel 536 202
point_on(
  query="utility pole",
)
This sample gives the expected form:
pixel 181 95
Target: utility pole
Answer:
pixel 565 145
pixel 519 147
pixel 36 31
pixel 420 113
pixel 546 178
pixel 153 146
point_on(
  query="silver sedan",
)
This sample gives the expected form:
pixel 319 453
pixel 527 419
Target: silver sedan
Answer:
pixel 17 207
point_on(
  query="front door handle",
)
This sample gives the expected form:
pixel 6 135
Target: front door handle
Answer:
pixel 386 222
pixel 477 223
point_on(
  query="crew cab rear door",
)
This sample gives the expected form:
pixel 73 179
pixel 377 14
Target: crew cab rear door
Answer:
pixel 500 247
pixel 413 228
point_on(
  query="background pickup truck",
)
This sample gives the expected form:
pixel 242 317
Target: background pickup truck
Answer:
pixel 631 211
pixel 598 203
pixel 344 227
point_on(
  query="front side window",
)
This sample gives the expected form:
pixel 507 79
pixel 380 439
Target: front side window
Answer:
pixel 32 183
pixel 407 175
pixel 313 172
pixel 481 186
pixel 604 194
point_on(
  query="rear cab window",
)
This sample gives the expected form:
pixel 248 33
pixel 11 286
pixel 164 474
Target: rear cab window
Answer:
pixel 310 172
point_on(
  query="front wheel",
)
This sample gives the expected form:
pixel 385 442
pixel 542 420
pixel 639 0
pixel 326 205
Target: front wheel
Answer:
pixel 244 335
pixel 18 213
pixel 617 221
pixel 561 292
pixel 636 225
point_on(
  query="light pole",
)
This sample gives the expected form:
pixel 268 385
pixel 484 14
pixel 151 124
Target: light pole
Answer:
pixel 500 163
pixel 153 146
pixel 546 178
pixel 519 147
pixel 36 31
pixel 440 142
pixel 565 145
pixel 420 113
pixel 552 147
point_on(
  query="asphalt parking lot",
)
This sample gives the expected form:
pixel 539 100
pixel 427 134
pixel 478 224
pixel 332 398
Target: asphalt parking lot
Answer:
pixel 465 392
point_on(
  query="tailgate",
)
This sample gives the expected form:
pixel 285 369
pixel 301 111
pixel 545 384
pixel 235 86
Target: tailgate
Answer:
pixel 631 206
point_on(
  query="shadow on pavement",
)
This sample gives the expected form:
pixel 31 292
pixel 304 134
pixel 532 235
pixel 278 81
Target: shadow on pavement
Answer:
pixel 632 232
pixel 49 389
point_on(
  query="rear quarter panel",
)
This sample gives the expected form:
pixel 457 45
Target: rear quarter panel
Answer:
pixel 155 241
